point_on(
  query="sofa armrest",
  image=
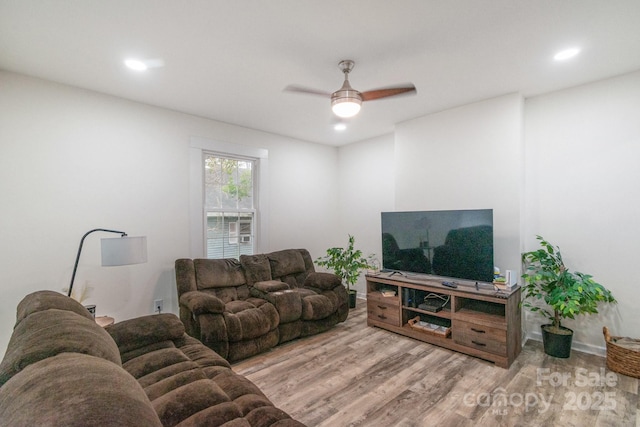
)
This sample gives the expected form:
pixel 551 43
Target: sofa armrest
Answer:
pixel 202 303
pixel 323 281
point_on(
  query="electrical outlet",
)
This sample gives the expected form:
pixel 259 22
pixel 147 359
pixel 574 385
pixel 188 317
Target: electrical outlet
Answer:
pixel 158 306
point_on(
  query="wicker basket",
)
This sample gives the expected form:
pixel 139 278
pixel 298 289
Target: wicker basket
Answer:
pixel 621 359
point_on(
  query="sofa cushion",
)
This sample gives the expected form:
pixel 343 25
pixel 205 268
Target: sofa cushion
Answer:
pixel 271 286
pixel 256 268
pixel 305 292
pixel 235 385
pixel 242 349
pixel 285 263
pixel 47 333
pixel 270 416
pixel 142 331
pixel 200 354
pixel 315 307
pixel 308 261
pixel 173 381
pixel 245 321
pixel 232 293
pixel 334 298
pixel 156 361
pixel 249 402
pixel 145 349
pixel 225 414
pixel 73 389
pixel 185 401
pixel 238 306
pixel 287 303
pixel 218 273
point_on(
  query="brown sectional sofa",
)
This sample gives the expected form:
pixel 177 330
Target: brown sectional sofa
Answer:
pixel 242 308
pixel 62 369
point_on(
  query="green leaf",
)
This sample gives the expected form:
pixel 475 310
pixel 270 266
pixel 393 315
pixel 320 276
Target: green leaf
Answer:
pixel 346 263
pixel 566 293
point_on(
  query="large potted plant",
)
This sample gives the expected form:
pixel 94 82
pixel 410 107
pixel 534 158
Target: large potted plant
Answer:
pixel 346 263
pixel 565 293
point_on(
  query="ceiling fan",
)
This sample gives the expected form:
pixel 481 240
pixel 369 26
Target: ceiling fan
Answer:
pixel 346 101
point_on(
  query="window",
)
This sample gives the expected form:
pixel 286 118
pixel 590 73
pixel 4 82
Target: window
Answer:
pixel 250 221
pixel 229 205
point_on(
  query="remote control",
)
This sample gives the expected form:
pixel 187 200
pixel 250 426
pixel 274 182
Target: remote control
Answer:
pixel 449 284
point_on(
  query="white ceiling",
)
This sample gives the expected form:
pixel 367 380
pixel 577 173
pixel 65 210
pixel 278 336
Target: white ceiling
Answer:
pixel 230 60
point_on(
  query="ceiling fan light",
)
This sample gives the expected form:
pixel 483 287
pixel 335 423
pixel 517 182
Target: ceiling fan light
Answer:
pixel 346 107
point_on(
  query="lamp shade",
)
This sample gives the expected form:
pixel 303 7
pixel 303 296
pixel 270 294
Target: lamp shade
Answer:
pixel 346 107
pixel 346 101
pixel 124 250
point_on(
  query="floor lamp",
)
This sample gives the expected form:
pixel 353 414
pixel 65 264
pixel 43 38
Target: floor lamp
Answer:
pixel 115 251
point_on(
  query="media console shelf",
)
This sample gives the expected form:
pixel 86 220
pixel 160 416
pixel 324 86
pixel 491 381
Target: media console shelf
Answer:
pixel 475 320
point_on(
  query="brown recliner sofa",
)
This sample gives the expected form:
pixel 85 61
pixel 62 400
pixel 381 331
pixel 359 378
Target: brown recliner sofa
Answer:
pixel 242 308
pixel 62 369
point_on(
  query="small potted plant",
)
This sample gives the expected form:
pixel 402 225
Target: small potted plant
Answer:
pixel 566 294
pixel 346 263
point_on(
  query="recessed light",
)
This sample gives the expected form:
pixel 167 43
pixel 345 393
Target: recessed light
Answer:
pixel 136 64
pixel 339 126
pixel 566 54
pixel 143 65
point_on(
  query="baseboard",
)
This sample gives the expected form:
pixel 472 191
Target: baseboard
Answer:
pixel 585 348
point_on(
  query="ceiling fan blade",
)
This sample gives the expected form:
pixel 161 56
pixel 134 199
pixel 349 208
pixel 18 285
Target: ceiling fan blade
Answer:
pixel 302 89
pixel 371 95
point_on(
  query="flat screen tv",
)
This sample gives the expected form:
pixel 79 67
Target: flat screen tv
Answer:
pixel 453 243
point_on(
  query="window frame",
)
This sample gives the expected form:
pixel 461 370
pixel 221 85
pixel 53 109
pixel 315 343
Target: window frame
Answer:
pixel 199 148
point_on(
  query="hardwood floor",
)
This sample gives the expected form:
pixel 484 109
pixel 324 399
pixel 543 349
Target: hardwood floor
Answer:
pixel 355 375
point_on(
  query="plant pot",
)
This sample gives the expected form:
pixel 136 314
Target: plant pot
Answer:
pixel 352 298
pixel 557 340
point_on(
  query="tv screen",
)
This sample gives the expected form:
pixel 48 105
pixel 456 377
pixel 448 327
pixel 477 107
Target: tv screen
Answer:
pixel 454 243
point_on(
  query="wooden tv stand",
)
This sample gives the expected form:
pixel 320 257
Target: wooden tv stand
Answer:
pixel 479 322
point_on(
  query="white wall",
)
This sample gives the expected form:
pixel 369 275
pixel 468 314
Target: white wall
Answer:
pixel 466 158
pixel 302 196
pixel 73 160
pixel 367 188
pixel 582 187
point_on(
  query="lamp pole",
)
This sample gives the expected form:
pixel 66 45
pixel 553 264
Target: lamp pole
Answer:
pixel 75 267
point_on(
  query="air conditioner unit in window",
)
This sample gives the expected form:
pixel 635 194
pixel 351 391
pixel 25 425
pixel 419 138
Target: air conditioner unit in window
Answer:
pixel 245 239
